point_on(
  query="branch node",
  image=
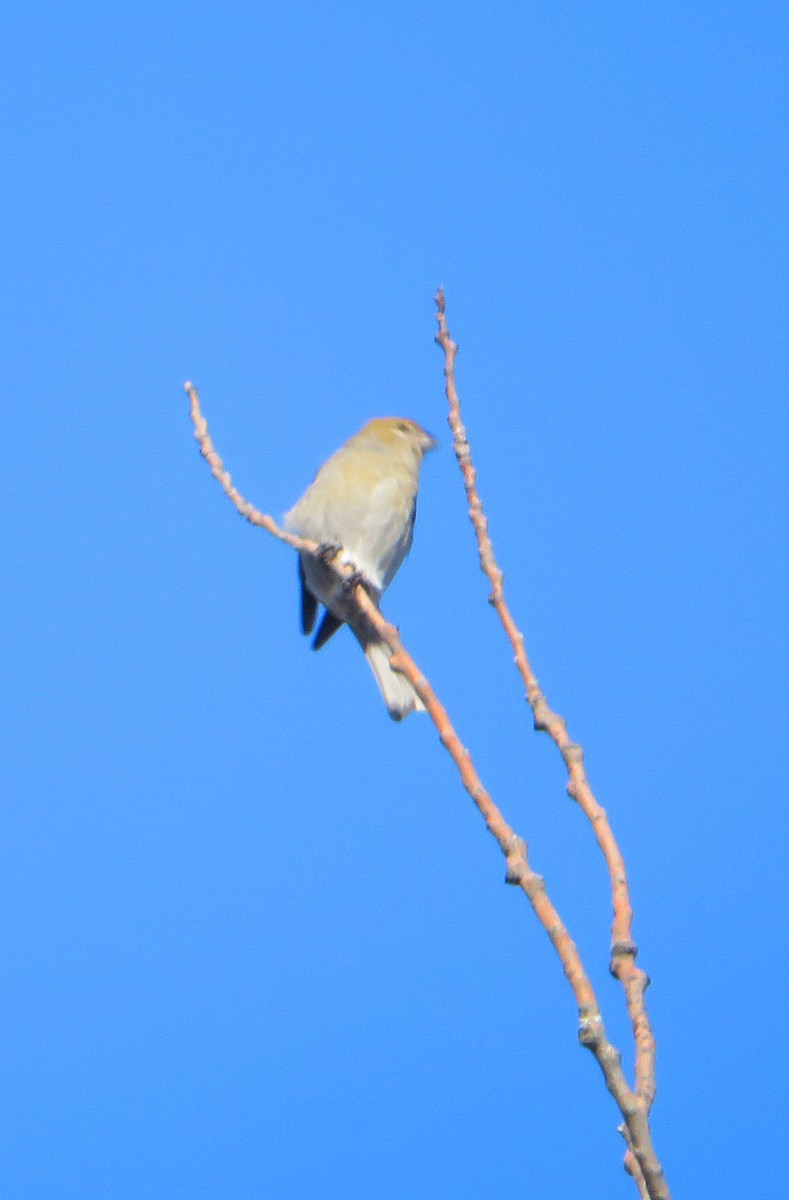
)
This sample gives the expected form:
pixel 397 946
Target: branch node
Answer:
pixel 624 949
pixel 540 710
pixel 590 1030
pixel 573 754
pixel 516 852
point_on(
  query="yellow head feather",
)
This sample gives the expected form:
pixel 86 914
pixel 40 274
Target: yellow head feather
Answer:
pixel 393 432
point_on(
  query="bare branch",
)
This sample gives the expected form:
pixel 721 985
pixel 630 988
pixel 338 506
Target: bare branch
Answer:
pixel 623 948
pixel 513 847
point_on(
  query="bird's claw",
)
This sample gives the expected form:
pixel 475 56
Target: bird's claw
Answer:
pixel 327 552
pixel 356 579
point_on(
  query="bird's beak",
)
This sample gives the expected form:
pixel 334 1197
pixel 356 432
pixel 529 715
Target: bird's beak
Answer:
pixel 429 442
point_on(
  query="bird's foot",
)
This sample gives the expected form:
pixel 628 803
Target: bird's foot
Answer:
pixel 356 579
pixel 327 552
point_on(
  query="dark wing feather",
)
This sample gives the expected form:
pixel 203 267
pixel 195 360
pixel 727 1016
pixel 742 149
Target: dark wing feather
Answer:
pixel 328 626
pixel 309 605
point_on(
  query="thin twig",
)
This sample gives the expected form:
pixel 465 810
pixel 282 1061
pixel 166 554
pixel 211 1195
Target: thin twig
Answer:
pixel 623 948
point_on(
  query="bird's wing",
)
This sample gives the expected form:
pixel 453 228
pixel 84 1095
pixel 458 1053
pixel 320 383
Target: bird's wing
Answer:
pixel 327 628
pixel 387 527
pixel 309 605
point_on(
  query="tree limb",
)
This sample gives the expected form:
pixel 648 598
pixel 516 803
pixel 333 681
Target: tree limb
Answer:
pixel 513 847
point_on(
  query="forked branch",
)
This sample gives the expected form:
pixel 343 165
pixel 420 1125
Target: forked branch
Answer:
pixel 644 1165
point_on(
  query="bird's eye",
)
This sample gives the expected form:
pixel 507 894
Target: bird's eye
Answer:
pixel 401 425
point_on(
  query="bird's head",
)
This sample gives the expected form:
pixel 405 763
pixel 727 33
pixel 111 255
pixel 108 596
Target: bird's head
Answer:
pixel 397 433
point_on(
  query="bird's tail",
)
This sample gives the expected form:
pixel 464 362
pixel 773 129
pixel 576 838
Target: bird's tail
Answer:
pixel 398 692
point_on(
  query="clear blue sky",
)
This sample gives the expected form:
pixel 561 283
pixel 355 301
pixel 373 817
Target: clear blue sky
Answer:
pixel 255 941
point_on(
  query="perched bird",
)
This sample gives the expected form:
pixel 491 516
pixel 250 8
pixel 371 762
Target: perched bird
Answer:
pixel 362 502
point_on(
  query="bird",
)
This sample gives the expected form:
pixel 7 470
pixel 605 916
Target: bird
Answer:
pixel 361 506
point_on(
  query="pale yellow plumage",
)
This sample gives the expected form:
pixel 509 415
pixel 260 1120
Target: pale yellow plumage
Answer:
pixel 363 499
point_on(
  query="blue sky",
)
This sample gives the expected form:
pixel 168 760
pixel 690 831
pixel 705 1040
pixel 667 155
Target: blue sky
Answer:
pixel 255 939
